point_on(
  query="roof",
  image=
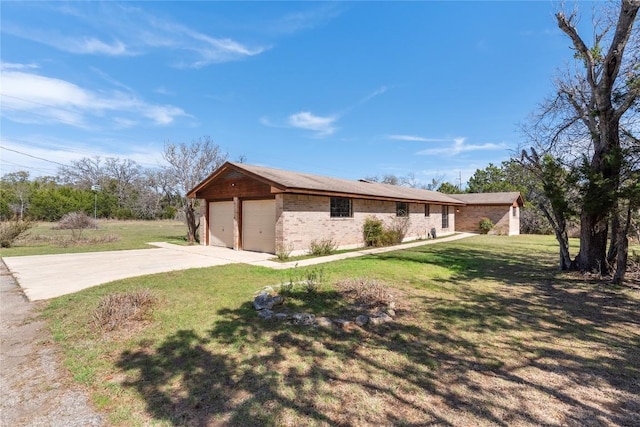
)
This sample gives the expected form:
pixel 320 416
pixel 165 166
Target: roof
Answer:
pixel 296 182
pixel 504 198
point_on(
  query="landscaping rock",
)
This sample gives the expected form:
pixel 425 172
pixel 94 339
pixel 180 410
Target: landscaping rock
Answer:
pixel 391 312
pixel 282 316
pixel 266 301
pixel 362 320
pixel 324 322
pixel 391 305
pixel 304 319
pixel 380 318
pixel 266 314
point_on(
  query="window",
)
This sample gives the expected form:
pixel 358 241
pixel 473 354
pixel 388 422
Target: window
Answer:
pixel 402 209
pixel 341 207
pixel 515 211
pixel 427 209
pixel 445 216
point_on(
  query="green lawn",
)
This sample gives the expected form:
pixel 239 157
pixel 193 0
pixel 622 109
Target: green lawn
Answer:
pixel 111 235
pixel 487 332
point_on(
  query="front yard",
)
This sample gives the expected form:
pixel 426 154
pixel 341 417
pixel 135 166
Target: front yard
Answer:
pixel 486 332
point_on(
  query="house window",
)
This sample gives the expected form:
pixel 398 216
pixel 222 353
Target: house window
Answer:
pixel 427 209
pixel 515 211
pixel 445 216
pixel 402 209
pixel 341 207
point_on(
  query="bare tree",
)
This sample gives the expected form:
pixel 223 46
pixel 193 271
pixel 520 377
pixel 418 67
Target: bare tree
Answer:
pixel 189 164
pixel 582 125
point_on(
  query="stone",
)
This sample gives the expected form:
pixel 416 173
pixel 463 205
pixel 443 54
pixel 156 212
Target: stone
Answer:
pixel 265 314
pixel 380 318
pixel 324 322
pixel 392 305
pixel 391 312
pixel 266 301
pixel 304 319
pixel 282 316
pixel 362 320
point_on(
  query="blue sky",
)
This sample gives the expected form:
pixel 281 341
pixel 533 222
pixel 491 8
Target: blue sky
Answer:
pixel 341 89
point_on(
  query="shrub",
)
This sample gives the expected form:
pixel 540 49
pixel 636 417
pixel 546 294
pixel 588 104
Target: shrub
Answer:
pixel 376 234
pixel 314 279
pixel 322 247
pixel 11 230
pixel 283 252
pixel 116 310
pixel 486 225
pixel 373 231
pixel 76 222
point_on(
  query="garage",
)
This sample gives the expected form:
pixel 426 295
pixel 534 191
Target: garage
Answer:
pixel 259 225
pixel 221 224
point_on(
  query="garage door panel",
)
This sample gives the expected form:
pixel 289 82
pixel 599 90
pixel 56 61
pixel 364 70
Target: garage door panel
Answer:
pixel 259 225
pixel 221 224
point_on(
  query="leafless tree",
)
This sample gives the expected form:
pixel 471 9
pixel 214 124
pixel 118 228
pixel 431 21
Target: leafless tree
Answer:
pixel 188 165
pixel 595 103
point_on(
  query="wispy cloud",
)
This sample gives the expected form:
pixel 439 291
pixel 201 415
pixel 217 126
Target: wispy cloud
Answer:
pixel 304 20
pixel 34 98
pixel 323 126
pixel 460 146
pixel 415 138
pixel 112 29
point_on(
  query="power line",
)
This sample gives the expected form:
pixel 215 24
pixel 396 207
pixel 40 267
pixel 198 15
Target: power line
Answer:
pixel 35 157
pixel 7 162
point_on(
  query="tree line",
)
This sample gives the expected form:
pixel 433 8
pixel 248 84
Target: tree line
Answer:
pixel 115 188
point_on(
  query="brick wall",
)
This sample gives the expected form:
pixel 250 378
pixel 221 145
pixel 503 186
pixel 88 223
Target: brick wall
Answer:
pixel 303 218
pixel 468 219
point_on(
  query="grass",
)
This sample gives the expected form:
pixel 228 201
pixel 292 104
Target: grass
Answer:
pixel 111 235
pixel 488 332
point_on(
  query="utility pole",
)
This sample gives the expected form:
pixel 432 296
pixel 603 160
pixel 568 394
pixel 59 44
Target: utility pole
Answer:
pixel 95 189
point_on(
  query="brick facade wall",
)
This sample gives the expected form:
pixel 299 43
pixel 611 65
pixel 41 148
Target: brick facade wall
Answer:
pixel 303 218
pixel 468 219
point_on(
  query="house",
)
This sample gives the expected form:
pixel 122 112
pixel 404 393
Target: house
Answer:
pixel 263 209
pixel 503 209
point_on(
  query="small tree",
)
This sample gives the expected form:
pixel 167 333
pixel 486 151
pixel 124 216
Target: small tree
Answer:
pixel 76 222
pixel 188 165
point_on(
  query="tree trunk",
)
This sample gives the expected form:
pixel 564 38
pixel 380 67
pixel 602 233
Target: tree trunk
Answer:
pixel 192 223
pixel 593 244
pixel 623 250
pixel 560 230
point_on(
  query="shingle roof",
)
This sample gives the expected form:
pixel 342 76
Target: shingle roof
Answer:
pixel 296 182
pixel 504 198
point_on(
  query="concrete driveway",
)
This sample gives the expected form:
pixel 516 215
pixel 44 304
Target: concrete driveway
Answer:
pixel 49 276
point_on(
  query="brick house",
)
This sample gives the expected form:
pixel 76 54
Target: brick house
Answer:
pixel 503 209
pixel 247 207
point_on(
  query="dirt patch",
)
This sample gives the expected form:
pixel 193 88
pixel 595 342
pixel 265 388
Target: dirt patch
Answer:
pixel 36 389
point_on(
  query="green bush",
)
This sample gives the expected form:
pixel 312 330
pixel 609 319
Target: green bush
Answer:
pixel 322 247
pixel 11 230
pixel 486 225
pixel 376 234
pixel 373 232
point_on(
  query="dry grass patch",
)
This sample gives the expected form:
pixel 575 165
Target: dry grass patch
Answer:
pixel 120 310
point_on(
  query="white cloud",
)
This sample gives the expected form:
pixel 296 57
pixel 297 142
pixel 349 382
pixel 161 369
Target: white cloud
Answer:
pixel 324 126
pixel 459 146
pixel 33 98
pixel 127 31
pixel 414 138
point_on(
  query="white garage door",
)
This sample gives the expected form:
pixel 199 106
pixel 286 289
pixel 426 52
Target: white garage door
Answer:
pixel 221 224
pixel 259 225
